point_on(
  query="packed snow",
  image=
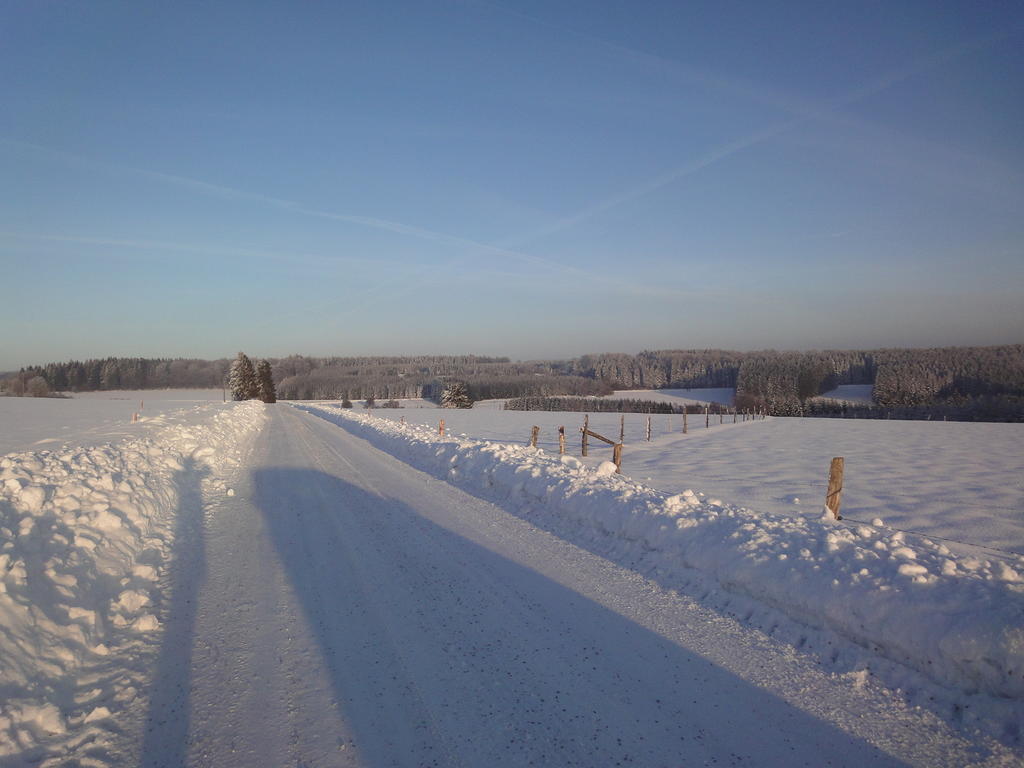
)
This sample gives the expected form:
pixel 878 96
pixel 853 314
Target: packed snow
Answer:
pixel 86 532
pixel 956 619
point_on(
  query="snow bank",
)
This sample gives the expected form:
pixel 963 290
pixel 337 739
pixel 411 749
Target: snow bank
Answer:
pixel 957 619
pixel 84 536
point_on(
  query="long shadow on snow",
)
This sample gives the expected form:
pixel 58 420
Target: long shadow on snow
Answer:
pixel 692 582
pixel 165 741
pixel 440 651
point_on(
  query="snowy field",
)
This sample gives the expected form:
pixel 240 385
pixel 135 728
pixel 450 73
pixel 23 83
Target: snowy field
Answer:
pixel 859 394
pixel 959 481
pixel 722 395
pixel 134 555
pixel 89 418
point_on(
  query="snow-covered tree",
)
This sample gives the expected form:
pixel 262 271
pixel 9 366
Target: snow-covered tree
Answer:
pixel 37 387
pixel 265 377
pixel 455 395
pixel 110 375
pixel 242 379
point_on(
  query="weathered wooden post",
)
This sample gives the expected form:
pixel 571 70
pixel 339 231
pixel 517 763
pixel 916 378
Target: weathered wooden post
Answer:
pixel 684 419
pixel 440 428
pixel 733 415
pixel 707 417
pixel 833 496
pixel 586 426
pixel 617 457
pixel 648 429
pixel 622 427
pixel 533 436
pixel 561 440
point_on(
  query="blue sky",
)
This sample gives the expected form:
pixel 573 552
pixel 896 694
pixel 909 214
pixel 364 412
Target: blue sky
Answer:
pixel 533 179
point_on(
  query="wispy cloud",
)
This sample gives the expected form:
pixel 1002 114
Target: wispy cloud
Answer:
pixel 290 257
pixel 802 110
pixel 473 248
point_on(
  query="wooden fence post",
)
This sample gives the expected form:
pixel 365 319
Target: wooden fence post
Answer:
pixel 561 440
pixel 586 426
pixel 440 428
pixel 533 436
pixel 648 429
pixel 835 487
pixel 707 417
pixel 617 457
pixel 622 427
pixel 684 419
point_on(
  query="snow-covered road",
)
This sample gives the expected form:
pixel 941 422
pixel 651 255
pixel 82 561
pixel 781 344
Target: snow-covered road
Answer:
pixel 342 608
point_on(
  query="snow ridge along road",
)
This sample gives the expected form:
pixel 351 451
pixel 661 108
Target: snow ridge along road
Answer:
pixel 343 608
pixel 90 537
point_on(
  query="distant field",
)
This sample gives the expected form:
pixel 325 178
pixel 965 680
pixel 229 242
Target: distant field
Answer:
pixel 963 481
pixel 155 395
pixel 89 418
pixel 850 393
pixel 722 395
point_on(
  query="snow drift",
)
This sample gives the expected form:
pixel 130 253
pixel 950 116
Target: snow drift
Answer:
pixel 957 619
pixel 85 536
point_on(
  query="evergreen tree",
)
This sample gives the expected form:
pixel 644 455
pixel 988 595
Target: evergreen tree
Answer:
pixel 265 376
pixel 455 395
pixel 242 379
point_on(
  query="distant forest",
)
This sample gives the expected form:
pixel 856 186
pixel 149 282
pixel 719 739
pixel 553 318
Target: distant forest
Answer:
pixel 964 383
pixel 608 405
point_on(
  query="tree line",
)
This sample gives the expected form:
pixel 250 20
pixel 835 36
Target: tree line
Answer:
pixel 126 373
pixel 974 382
pixel 605 405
